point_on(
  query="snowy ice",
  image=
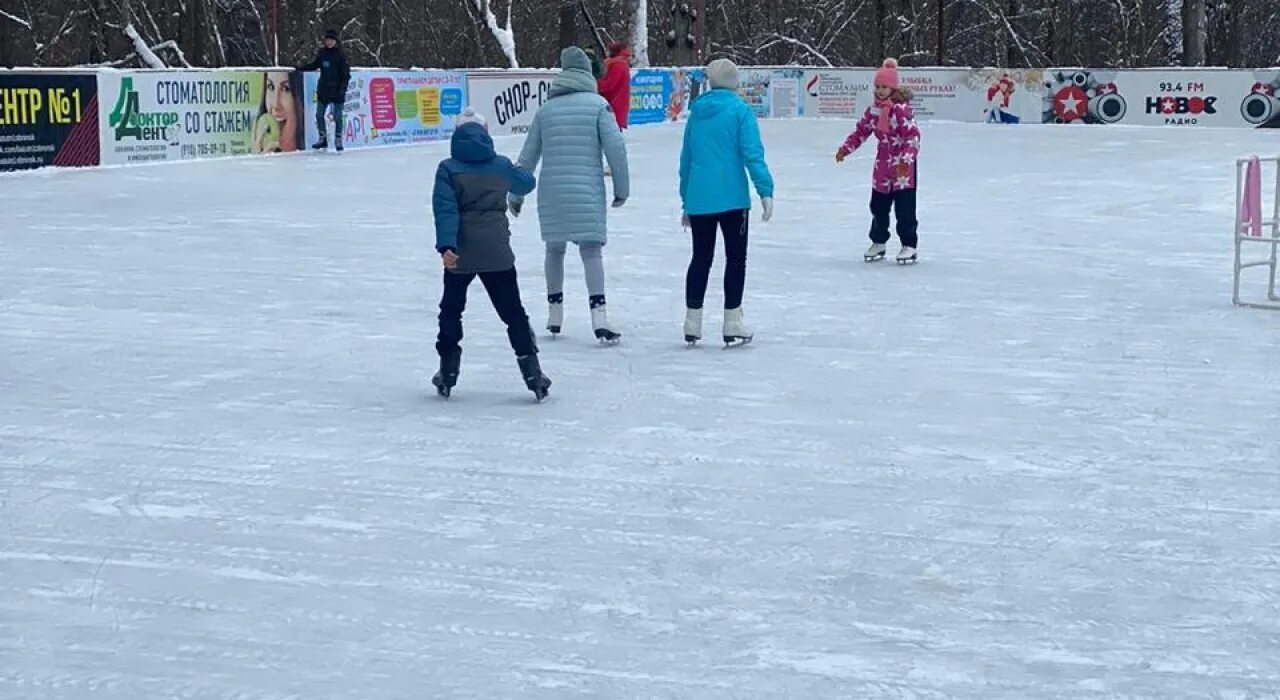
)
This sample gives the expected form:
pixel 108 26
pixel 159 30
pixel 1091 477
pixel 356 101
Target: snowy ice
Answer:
pixel 1043 463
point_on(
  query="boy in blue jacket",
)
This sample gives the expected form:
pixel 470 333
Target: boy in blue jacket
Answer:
pixel 473 238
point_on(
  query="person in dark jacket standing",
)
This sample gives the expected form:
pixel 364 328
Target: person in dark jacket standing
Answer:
pixel 331 90
pixel 473 238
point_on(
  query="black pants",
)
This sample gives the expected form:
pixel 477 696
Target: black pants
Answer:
pixel 903 203
pixel 734 226
pixel 504 291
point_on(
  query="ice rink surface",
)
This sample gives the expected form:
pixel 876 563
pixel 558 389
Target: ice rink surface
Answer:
pixel 1043 463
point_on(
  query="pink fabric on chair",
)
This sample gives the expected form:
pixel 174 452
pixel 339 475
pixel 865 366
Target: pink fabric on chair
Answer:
pixel 1251 200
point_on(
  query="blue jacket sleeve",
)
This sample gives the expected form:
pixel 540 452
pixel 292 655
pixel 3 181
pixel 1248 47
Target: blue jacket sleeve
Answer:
pixel 522 181
pixel 753 153
pixel 686 160
pixel 444 208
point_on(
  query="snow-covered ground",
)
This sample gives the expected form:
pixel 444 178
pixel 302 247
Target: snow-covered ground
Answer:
pixel 1043 463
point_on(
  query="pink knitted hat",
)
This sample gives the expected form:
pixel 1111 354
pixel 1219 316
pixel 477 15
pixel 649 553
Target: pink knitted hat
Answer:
pixel 887 75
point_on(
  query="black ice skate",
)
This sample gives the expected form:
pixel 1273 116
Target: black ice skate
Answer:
pixel 337 145
pixel 537 382
pixel 321 145
pixel 608 337
pixel 447 377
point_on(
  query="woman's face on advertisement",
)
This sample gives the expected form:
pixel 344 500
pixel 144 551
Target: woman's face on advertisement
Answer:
pixel 279 97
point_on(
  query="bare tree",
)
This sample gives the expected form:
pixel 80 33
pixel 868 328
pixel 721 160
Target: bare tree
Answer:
pixel 505 36
pixel 471 33
pixel 1194 32
pixel 640 35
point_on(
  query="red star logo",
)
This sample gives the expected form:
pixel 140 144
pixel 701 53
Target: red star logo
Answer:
pixel 1168 105
pixel 1070 103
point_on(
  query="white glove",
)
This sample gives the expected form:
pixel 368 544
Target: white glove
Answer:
pixel 767 205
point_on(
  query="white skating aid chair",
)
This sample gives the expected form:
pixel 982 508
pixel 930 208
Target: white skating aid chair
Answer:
pixel 1251 227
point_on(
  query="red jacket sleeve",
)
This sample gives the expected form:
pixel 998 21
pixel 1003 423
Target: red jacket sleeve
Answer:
pixel 616 76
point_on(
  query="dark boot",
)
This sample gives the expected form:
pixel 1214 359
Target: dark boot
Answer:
pixel 447 377
pixel 337 145
pixel 537 382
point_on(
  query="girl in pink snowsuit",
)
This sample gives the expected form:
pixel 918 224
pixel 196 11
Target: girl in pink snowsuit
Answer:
pixel 893 183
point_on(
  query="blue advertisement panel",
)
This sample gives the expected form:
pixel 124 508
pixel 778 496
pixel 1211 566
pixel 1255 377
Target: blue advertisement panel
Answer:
pixel 651 92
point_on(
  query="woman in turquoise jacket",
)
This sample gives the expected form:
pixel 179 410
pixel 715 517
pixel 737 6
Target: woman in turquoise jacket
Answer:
pixel 721 148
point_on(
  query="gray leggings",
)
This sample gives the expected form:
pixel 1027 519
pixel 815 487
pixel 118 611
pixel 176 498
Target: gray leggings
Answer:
pixel 592 265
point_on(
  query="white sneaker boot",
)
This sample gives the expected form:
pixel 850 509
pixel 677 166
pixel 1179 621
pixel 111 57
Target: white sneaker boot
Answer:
pixel 600 321
pixel 874 253
pixel 735 331
pixel 907 255
pixel 555 313
pixel 692 325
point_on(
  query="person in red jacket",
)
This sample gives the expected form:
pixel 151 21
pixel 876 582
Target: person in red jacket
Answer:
pixel 615 86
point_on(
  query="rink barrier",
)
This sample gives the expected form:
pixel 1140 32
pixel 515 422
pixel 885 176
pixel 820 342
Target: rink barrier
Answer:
pixel 113 117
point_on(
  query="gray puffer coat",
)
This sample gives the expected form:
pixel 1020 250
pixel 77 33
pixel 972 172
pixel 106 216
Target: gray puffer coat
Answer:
pixel 571 134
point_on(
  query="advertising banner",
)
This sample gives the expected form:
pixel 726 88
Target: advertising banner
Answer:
pixel 281 124
pixel 48 119
pixel 962 95
pixel 686 85
pixel 941 94
pixel 784 93
pixel 1260 108
pixel 355 113
pixel 1162 97
pixel 755 91
pixel 121 117
pixel 1008 96
pixel 651 92
pixel 392 108
pixel 771 92
pixel 836 94
pixel 974 95
pixel 184 115
pixel 509 99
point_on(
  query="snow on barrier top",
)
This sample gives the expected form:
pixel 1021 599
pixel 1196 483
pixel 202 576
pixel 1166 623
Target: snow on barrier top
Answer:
pixel 99 115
